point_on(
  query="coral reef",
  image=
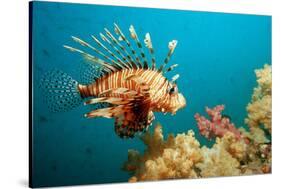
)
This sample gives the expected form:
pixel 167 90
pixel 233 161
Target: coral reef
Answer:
pixel 259 109
pixel 173 158
pixel 236 151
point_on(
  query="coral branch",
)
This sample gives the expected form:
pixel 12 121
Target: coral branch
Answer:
pixel 217 125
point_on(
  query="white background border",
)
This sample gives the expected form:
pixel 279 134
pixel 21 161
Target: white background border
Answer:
pixel 14 91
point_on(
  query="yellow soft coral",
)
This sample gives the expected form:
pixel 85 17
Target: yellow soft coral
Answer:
pixel 182 157
pixel 223 158
pixel 173 158
pixel 259 109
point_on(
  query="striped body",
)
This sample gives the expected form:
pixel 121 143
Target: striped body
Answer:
pixel 155 80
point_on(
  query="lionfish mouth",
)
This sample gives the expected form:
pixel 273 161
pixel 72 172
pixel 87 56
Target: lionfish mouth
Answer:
pixel 182 101
pixel 180 104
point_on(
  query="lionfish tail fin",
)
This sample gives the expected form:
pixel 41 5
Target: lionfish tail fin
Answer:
pixel 60 91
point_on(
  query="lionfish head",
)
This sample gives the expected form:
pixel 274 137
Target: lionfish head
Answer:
pixel 176 100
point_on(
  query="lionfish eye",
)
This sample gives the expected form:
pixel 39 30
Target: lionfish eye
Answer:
pixel 173 90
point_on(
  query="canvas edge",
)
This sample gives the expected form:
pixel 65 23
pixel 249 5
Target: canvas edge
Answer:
pixel 30 95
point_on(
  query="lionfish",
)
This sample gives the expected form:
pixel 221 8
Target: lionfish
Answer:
pixel 120 80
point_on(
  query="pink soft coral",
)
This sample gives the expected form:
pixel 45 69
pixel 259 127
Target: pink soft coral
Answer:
pixel 217 125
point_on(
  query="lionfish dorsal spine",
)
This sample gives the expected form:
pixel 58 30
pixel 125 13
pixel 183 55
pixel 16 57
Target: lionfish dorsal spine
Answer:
pixel 119 32
pixel 115 41
pixel 174 78
pixel 148 44
pixel 108 67
pixel 112 55
pixel 132 62
pixel 134 36
pixel 171 68
pixel 172 45
pixel 105 39
pixel 120 62
pixel 84 43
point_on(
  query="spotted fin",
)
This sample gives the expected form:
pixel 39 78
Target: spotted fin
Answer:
pixel 60 91
pixel 89 73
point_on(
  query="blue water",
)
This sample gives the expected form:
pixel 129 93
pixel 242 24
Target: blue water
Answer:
pixel 217 54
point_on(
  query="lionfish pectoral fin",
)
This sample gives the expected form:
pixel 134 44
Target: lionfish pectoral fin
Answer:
pixel 128 124
pixel 105 112
pixel 136 117
pixel 118 105
pixel 110 100
pixel 131 114
pixel 100 105
pixel 118 91
pixel 97 103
